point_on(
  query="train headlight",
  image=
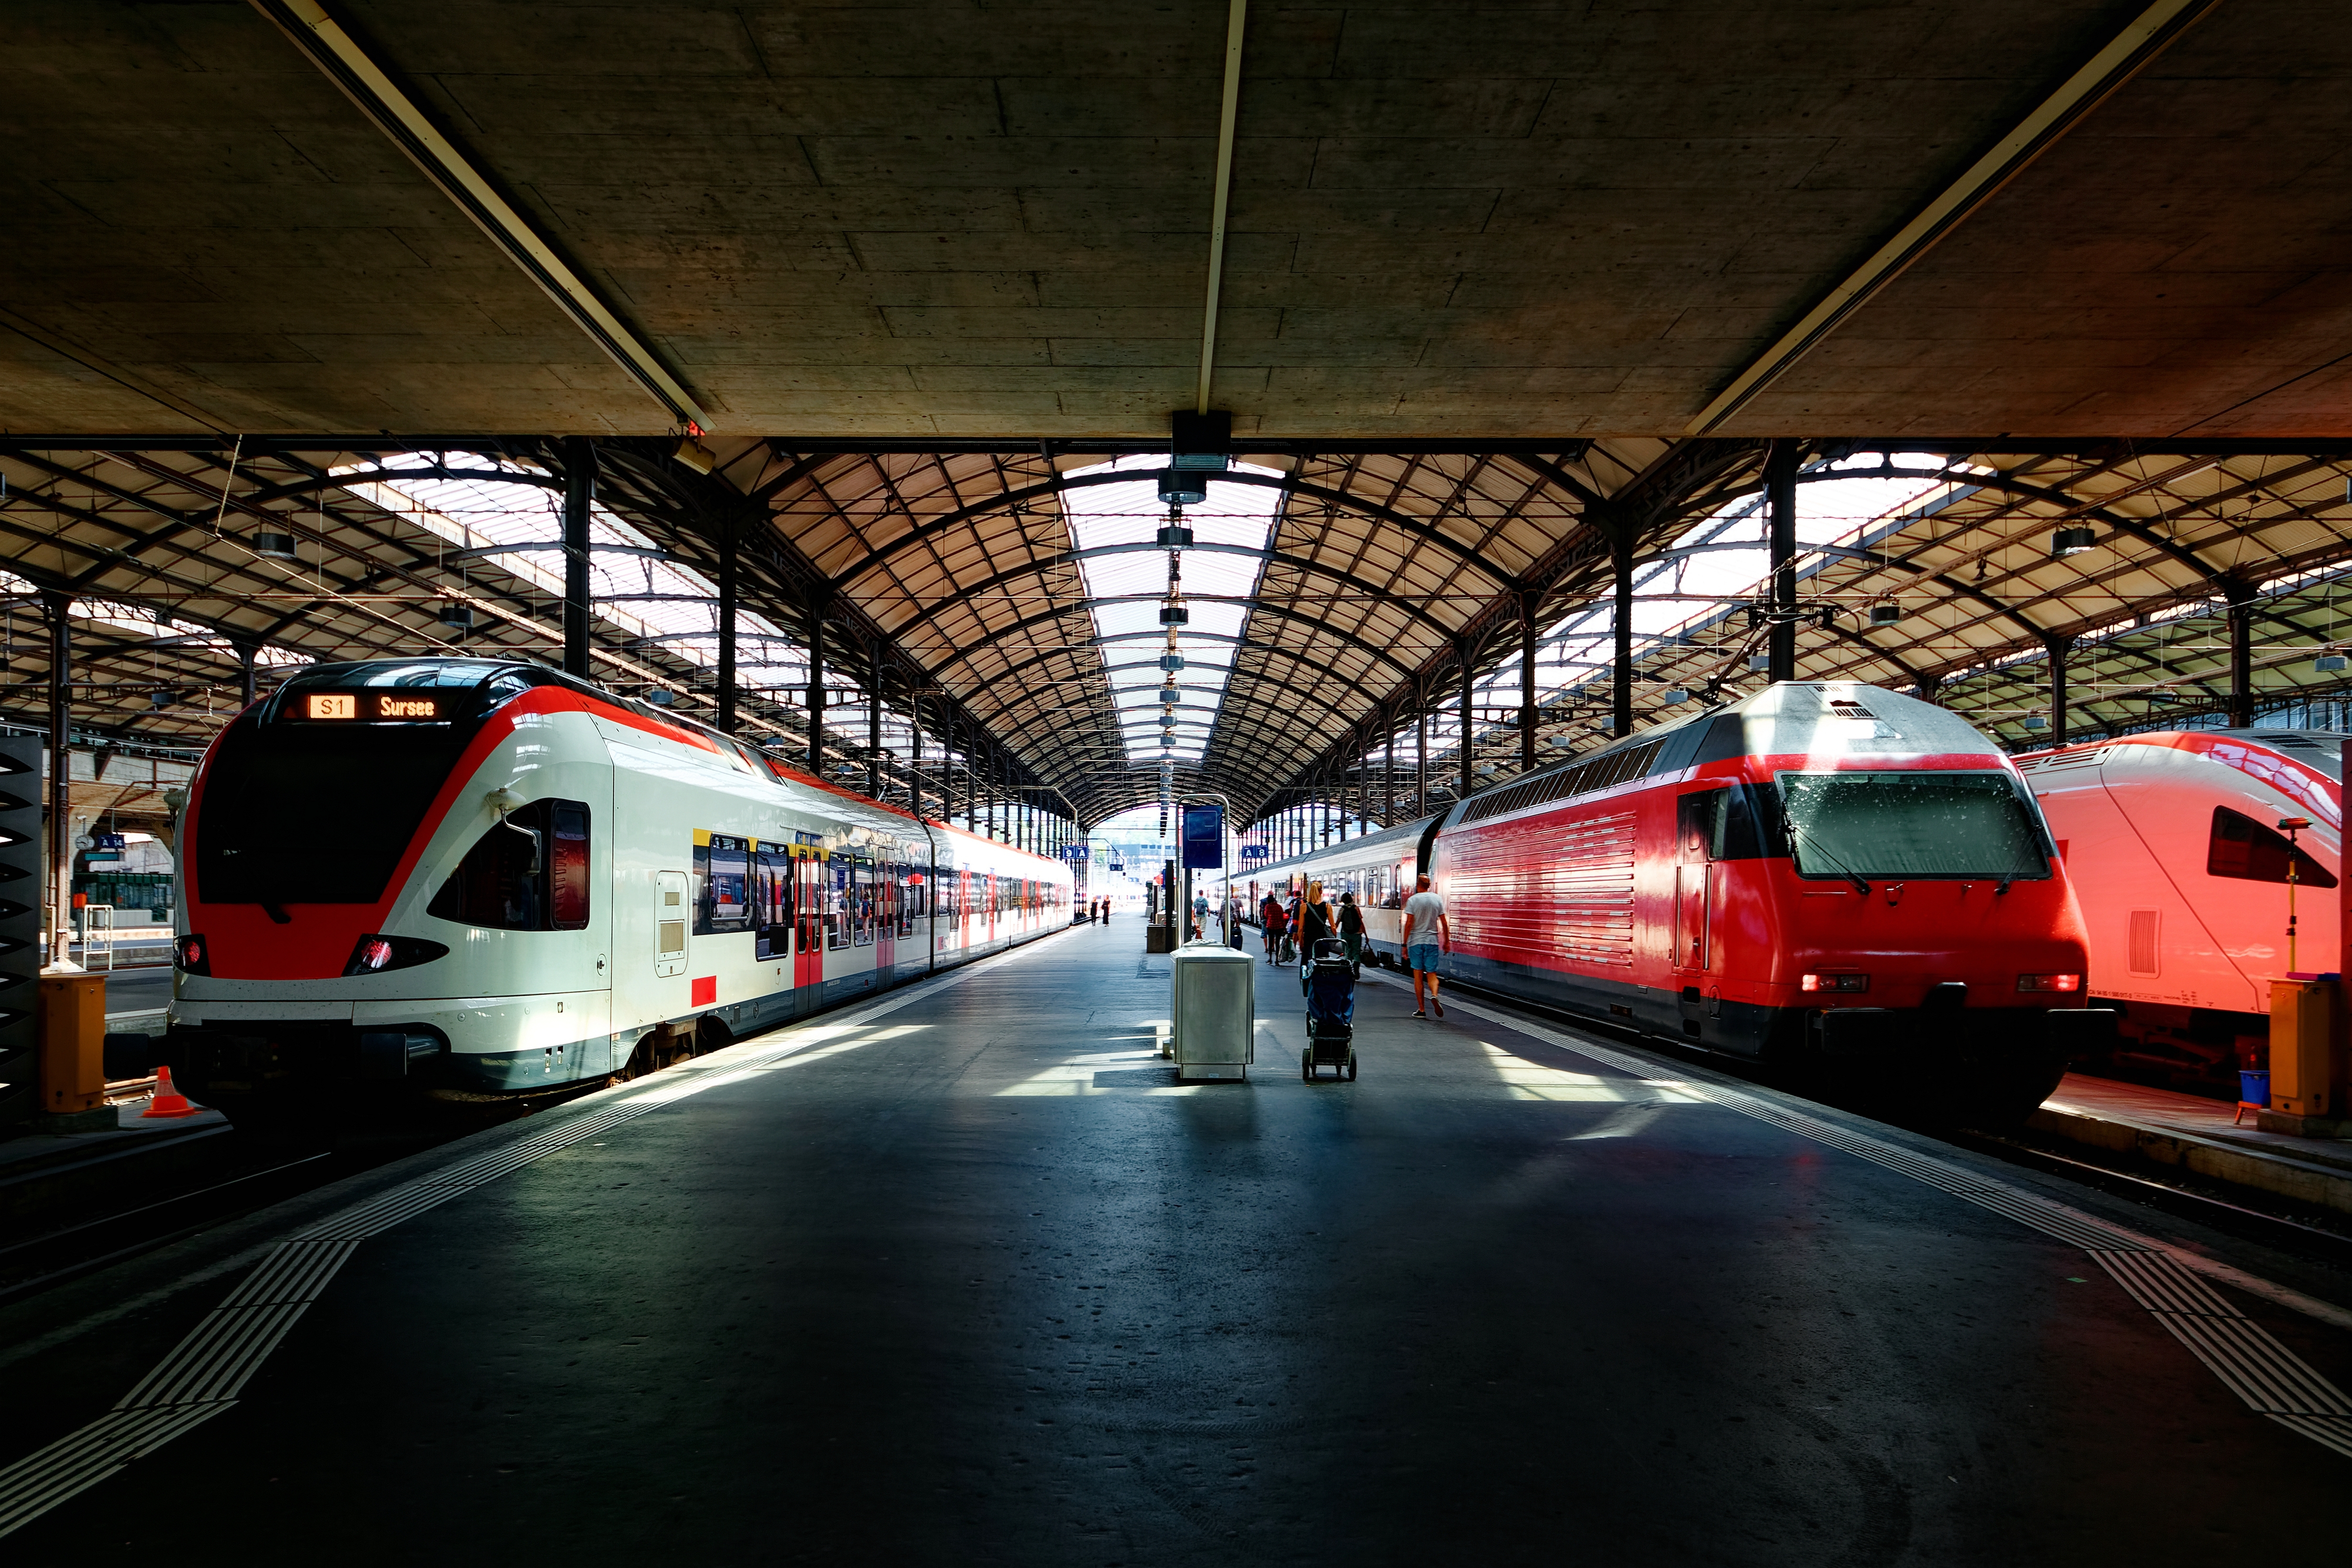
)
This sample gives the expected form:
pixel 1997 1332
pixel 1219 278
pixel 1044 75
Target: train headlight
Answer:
pixel 2049 982
pixel 373 954
pixel 193 956
pixel 1834 983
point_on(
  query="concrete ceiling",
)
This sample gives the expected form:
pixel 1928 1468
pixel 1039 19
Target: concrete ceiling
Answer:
pixel 962 220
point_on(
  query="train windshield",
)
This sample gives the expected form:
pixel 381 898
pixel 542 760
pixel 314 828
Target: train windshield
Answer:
pixel 1907 824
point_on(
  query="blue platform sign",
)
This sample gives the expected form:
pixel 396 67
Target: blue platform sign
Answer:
pixel 1075 851
pixel 1204 837
pixel 106 841
pixel 1254 851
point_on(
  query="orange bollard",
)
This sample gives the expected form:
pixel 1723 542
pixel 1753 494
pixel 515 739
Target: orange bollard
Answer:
pixel 168 1101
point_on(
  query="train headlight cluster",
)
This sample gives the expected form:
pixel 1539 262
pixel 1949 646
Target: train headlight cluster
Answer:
pixel 376 954
pixel 2049 982
pixel 1847 984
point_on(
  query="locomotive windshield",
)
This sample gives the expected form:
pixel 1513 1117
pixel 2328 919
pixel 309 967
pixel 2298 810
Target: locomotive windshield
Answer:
pixel 1922 824
pixel 314 802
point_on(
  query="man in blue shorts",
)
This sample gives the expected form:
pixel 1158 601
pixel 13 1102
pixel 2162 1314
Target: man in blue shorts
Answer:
pixel 1427 932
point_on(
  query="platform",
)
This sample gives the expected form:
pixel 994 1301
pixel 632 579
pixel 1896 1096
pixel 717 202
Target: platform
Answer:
pixel 963 1274
pixel 2192 1133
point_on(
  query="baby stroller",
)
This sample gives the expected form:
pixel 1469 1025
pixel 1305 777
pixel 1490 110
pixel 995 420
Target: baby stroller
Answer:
pixel 1329 982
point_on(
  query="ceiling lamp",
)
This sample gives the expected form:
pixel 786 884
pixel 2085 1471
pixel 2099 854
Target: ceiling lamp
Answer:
pixel 159 701
pixel 2035 721
pixel 2073 541
pixel 1886 613
pixel 1173 616
pixel 660 698
pixel 696 455
pixel 276 547
pixel 2328 662
pixel 1677 694
pixel 1180 488
pixel 458 614
pixel 1759 662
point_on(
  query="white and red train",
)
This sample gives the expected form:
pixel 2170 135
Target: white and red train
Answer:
pixel 484 876
pixel 2173 842
pixel 1817 872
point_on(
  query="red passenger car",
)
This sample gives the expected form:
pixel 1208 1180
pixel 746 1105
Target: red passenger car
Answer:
pixel 1824 870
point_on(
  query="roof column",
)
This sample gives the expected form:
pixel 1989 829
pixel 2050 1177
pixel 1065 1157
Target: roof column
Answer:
pixel 1530 602
pixel 579 496
pixel 1420 747
pixel 816 687
pixel 1469 715
pixel 727 624
pixel 875 781
pixel 2242 660
pixel 2059 648
pixel 1781 493
pixel 1388 775
pixel 915 748
pixel 57 607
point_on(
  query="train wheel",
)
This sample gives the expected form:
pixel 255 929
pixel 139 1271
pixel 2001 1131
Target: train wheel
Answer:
pixel 713 1034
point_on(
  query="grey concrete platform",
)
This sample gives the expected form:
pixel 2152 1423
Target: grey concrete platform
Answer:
pixel 963 1276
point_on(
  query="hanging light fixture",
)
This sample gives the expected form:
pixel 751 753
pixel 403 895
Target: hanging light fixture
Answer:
pixel 2073 541
pixel 1886 613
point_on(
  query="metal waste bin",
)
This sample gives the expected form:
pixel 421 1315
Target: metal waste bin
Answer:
pixel 1216 1012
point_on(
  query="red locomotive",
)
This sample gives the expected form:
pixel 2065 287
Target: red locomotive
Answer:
pixel 1820 872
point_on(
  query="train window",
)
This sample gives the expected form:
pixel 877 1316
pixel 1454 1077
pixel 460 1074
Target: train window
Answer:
pixel 861 909
pixel 839 895
pixel 808 907
pixel 723 883
pixel 1725 824
pixel 2245 850
pixel 1912 824
pixel 528 872
pixel 567 867
pixel 772 901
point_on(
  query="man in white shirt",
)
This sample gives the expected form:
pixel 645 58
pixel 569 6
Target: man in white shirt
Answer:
pixel 1427 932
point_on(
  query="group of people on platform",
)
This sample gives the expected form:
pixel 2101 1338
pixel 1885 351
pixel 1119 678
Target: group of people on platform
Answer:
pixel 1097 909
pixel 1311 918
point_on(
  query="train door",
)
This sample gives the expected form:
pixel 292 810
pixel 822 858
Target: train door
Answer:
pixel 808 915
pixel 669 924
pixel 1695 892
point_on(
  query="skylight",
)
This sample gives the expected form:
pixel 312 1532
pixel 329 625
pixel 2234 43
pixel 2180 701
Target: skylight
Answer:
pixel 1127 586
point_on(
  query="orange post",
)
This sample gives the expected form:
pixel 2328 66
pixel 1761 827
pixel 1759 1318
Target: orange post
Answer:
pixel 73 1044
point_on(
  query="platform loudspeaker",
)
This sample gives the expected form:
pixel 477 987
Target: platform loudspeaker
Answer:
pixel 21 887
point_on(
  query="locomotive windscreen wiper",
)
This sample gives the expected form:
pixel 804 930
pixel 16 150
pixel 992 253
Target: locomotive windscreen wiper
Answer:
pixel 1861 882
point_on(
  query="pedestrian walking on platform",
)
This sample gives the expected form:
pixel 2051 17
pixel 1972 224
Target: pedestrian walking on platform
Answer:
pixel 1270 915
pixel 1427 933
pixel 1351 932
pixel 1315 920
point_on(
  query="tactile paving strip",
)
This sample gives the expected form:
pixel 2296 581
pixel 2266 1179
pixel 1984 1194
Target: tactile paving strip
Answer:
pixel 203 1374
pixel 2271 1379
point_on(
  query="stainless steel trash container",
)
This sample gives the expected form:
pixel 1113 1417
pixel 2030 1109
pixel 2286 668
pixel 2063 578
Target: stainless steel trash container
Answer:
pixel 1215 1011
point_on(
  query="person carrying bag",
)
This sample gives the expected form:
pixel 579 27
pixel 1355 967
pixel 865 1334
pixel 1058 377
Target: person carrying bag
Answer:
pixel 1315 922
pixel 1351 932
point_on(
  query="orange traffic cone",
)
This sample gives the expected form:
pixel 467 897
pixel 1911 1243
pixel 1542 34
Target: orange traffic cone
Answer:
pixel 167 1101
